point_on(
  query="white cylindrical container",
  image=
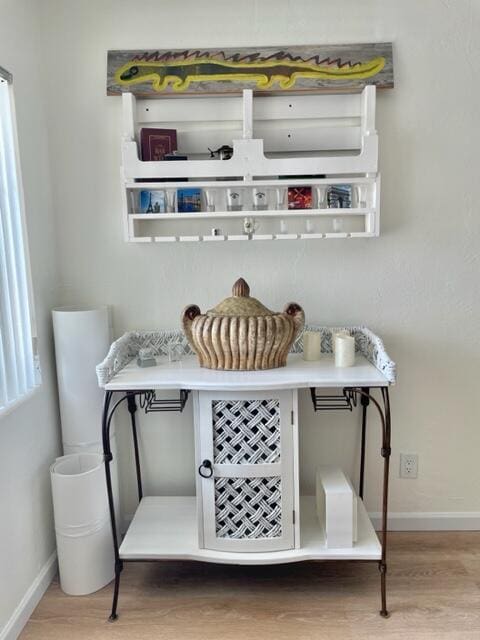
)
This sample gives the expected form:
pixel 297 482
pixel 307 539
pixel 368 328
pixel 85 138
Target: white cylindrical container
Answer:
pixel 86 561
pixel 97 447
pixel 312 345
pixel 344 351
pixel 82 523
pixel 82 339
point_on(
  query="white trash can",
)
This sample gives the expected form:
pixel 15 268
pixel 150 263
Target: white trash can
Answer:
pixel 82 523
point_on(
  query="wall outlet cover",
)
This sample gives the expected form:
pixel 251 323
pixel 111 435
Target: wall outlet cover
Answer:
pixel 408 465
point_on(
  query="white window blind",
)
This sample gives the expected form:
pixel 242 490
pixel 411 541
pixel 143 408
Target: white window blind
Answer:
pixel 19 372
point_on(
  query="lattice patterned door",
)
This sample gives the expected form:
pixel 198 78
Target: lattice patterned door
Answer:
pixel 247 501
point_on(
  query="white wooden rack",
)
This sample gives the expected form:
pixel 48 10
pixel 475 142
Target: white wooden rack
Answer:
pixel 278 142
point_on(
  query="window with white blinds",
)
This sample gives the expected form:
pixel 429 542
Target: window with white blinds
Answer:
pixel 19 371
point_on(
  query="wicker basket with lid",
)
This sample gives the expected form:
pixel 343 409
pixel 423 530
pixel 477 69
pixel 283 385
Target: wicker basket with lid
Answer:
pixel 241 334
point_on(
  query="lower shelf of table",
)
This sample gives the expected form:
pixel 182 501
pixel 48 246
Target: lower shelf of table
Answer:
pixel 165 528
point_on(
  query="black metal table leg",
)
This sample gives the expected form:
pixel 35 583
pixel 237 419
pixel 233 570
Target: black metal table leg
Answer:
pixel 365 401
pixel 386 452
pixel 106 421
pixel 148 402
pixel 384 412
pixel 132 408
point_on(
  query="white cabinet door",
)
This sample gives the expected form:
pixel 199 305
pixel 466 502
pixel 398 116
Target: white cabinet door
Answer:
pixel 246 449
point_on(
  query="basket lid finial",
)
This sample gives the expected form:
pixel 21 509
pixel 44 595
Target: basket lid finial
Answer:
pixel 241 289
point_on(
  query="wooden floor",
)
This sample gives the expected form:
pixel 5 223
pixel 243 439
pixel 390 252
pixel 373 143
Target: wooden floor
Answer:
pixel 433 592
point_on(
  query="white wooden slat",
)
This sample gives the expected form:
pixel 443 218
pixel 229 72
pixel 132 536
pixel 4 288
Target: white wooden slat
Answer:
pixel 166 239
pixel 208 109
pixel 248 113
pixel 337 235
pixel 214 238
pixel 304 107
pixel 247 470
pixel 129 110
pixel 249 159
pixel 218 108
pixel 238 238
pixel 140 239
pixel 368 109
pixel 262 236
pixel 312 236
pixel 310 138
pixel 189 238
pixel 200 140
pixel 283 137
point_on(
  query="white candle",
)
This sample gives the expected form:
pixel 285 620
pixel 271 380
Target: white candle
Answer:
pixel 344 351
pixel 312 345
pixel 342 332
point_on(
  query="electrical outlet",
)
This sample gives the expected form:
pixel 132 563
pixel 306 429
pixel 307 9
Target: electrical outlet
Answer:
pixel 408 465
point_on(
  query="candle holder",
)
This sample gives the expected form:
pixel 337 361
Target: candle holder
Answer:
pixel 234 200
pixel 260 199
pixel 210 199
pixel 280 198
pixel 146 357
pixel 321 192
pixel 171 200
pixel 175 350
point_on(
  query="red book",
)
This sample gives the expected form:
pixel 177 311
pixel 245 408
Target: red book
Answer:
pixel 155 143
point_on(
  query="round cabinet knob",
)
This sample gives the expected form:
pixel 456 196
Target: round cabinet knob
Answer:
pixel 206 469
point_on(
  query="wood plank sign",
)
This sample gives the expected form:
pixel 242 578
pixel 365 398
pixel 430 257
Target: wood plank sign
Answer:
pixel 268 70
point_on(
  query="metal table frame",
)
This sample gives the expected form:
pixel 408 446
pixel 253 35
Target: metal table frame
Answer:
pixel 348 400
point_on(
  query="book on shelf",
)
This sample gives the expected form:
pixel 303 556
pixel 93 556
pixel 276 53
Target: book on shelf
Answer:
pixel 156 143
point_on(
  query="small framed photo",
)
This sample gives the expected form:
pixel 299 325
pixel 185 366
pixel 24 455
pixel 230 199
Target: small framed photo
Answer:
pixel 299 197
pixel 189 200
pixel 152 201
pixel 339 196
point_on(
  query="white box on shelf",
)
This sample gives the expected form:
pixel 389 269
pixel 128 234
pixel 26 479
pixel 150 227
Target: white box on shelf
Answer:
pixel 336 507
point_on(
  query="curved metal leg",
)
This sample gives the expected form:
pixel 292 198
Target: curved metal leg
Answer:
pixel 385 418
pixel 132 409
pixel 365 401
pixel 114 615
pixel 386 451
pixel 106 421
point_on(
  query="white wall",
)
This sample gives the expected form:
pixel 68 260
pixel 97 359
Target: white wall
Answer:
pixel 29 435
pixel 417 285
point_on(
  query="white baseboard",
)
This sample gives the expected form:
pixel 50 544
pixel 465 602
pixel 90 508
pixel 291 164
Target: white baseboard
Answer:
pixel 429 521
pixel 32 597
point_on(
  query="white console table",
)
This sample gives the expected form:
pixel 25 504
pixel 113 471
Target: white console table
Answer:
pixel 248 508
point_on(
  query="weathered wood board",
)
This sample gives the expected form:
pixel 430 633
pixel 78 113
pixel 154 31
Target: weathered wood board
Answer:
pixel 266 70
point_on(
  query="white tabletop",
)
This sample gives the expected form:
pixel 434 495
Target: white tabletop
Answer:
pixel 298 374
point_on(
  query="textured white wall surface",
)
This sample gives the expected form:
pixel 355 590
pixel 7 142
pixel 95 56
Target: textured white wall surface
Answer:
pixel 417 285
pixel 29 435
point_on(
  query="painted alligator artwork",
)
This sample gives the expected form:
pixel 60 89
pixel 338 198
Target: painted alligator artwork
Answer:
pixel 313 69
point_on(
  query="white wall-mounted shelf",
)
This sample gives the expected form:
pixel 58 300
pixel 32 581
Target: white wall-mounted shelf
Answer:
pixel 322 139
